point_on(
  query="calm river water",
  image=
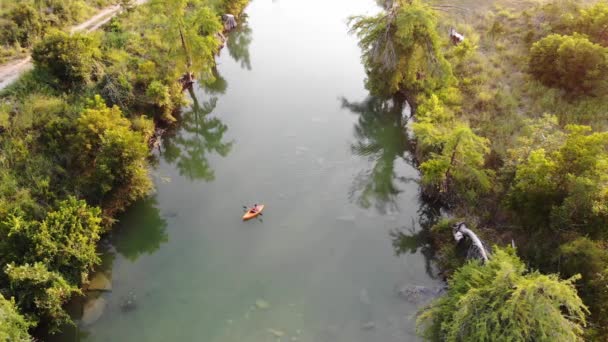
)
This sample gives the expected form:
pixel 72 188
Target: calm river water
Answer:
pixel 288 124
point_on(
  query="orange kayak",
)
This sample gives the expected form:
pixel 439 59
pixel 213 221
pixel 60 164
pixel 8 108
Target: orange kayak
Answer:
pixel 249 214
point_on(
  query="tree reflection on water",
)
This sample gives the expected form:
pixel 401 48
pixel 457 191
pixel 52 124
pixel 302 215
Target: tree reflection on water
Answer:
pixel 239 41
pixel 417 237
pixel 141 230
pixel 382 138
pixel 198 136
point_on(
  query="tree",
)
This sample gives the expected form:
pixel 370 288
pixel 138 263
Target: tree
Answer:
pixel 502 301
pixel 72 59
pixel 28 23
pixel 111 156
pixel 534 189
pixel 402 49
pixel 13 326
pixel 433 121
pixel 195 27
pixel 566 186
pixel 572 63
pixel 593 21
pixel 121 164
pixel 234 7
pixel 460 163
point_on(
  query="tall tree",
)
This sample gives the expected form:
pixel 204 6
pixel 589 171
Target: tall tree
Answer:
pixel 189 30
pixel 402 49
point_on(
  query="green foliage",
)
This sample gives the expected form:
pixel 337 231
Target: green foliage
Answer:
pixel 195 27
pixel 25 22
pixel 61 156
pixel 66 239
pixel 13 327
pixel 234 7
pixel 402 49
pixel 460 161
pixel 40 290
pixel 27 25
pixel 570 62
pixel 566 184
pixel 501 301
pixel 72 59
pixel 121 164
pixel 590 259
pixel 110 154
pixel 593 22
pixel 160 96
pixel 61 250
pixel 36 110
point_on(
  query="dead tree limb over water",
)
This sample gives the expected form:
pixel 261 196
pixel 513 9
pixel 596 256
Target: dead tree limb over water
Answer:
pixel 460 231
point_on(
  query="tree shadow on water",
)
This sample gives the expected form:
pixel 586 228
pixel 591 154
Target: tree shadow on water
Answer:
pixel 381 137
pixel 140 230
pixel 197 136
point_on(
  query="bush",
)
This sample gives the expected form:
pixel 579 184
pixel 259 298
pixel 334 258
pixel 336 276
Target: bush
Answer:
pixel 13 327
pixel 42 291
pixel 590 259
pixel 572 63
pixel 502 301
pixel 70 58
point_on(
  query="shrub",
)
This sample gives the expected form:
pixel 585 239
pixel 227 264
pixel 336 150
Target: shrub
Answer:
pixel 572 63
pixel 70 58
pixel 502 301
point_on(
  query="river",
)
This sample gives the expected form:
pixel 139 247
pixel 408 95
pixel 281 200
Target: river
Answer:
pixel 288 124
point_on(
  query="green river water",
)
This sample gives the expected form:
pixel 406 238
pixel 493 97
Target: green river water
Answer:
pixel 289 124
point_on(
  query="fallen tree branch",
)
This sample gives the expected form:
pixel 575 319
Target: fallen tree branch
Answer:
pixel 461 231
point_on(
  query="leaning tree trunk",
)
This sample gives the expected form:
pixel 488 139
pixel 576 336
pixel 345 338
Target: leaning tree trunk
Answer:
pixel 187 78
pixel 460 230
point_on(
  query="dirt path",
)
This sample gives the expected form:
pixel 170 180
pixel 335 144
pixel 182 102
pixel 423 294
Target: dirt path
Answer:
pixel 10 71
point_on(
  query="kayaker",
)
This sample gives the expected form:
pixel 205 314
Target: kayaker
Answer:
pixel 254 209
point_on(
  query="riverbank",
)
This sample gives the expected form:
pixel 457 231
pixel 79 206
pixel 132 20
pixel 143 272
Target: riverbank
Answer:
pixel 68 151
pixel 513 153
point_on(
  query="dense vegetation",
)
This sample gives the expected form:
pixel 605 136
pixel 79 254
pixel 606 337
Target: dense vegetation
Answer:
pixel 74 144
pixel 509 128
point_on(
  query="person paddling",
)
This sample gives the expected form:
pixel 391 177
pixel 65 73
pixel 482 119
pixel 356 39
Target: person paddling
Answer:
pixel 254 209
